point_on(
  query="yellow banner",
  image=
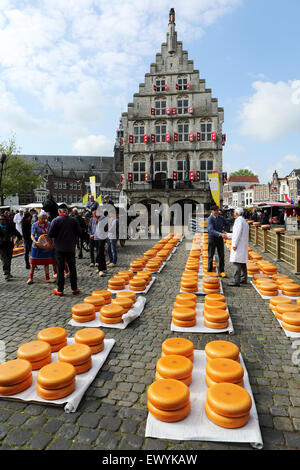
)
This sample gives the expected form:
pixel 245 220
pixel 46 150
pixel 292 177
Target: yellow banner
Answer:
pixel 214 184
pixel 85 198
pixel 99 199
pixel 93 185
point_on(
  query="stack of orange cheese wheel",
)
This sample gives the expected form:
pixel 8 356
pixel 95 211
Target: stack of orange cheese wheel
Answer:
pixel 56 380
pixel 211 299
pixel 224 370
pixel 127 294
pixel 38 353
pixel 179 347
pixel 186 299
pixel 15 376
pixel 56 336
pixel 257 277
pixel 224 349
pixel 154 264
pixel 83 313
pixel 283 280
pixel 111 314
pixel 190 284
pixel 291 289
pixel 279 277
pixel 228 405
pixel 169 400
pixel 215 314
pixel 255 256
pixel 184 316
pixel 137 284
pixel 291 321
pixel 125 302
pixel 79 355
pixel 268 288
pixel 274 301
pixel 176 367
pixel 211 284
pixel 252 268
pixel 281 308
pixel 136 265
pixel 269 269
pixel 147 275
pixel 106 294
pixel 124 276
pixel 116 283
pixel 96 300
pixel 92 337
pixel 149 254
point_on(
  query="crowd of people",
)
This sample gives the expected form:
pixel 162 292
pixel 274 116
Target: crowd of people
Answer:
pixel 54 236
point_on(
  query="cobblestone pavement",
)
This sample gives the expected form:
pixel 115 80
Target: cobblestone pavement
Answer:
pixel 112 414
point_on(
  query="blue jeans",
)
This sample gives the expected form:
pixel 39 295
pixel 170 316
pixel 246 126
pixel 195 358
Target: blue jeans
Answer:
pixel 112 251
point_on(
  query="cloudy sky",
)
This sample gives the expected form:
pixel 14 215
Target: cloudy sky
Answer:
pixel 68 68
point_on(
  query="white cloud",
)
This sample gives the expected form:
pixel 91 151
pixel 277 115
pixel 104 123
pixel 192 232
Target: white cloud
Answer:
pixel 272 111
pixel 93 145
pixel 284 166
pixel 236 148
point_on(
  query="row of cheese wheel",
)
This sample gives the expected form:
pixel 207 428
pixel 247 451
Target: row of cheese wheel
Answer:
pixel 227 404
pixel 55 380
pixel 215 312
pixel 279 282
pixel 287 312
pixel 111 310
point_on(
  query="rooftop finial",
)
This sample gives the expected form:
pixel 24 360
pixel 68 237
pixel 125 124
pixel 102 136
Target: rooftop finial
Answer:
pixel 172 16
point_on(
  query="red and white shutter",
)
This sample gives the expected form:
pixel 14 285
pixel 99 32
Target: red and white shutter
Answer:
pixel 130 177
pixel 130 139
pixel 191 137
pixel 146 176
pixel 175 175
pixel 198 136
pixel 166 87
pixel 177 86
pixel 175 137
pixel 154 87
pixel 167 110
pixel 213 136
pixel 168 138
pixel 153 111
pixel 145 138
pixel 223 139
pixel 174 110
pixel 153 137
pixel 192 175
pixel 191 109
pixel 197 175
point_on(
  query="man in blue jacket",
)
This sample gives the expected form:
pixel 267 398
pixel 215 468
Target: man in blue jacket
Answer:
pixel 217 226
pixel 65 230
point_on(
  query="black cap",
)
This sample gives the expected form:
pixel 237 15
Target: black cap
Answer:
pixel 63 206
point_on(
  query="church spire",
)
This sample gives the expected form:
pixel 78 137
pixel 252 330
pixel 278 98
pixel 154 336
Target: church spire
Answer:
pixel 172 35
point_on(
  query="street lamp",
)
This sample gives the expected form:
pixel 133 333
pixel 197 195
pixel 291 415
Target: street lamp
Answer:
pixel 2 161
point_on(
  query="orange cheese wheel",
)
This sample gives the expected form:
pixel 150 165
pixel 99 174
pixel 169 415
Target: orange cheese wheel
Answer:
pixel 180 298
pixel 210 382
pixel 290 286
pixel 211 291
pixel 210 299
pixel 89 336
pixel 41 363
pixel 225 422
pixel 177 346
pixel 183 313
pixel 103 293
pixel 136 267
pixel 292 318
pixel 274 301
pixel 224 370
pixel 189 289
pixel 84 318
pixel 14 371
pixel 8 390
pixel 217 316
pixel 74 354
pixel 286 307
pixel 34 351
pixel 184 324
pixel 298 302
pixel 220 348
pixel 190 357
pixel 125 303
pixel 52 335
pixel 185 303
pixel 56 375
pixel 216 325
pixel 110 320
pixel 127 295
pixel 174 367
pixel 97 348
pixel 187 380
pixel 83 310
pixel 112 311
pixel 268 293
pixel 116 284
pixel 97 301
pixel 55 394
pixel 291 294
pixel 276 277
pixel 168 394
pixel 229 400
pixel 123 277
pixel 137 283
pixel 290 327
pixel 81 368
pixel 217 306
pixel 58 346
pixel 169 416
pixel 189 284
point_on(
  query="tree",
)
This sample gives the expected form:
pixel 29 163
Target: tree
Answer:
pixel 18 176
pixel 243 172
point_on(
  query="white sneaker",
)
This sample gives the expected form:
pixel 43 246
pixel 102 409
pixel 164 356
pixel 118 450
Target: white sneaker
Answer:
pixel 92 265
pixel 101 274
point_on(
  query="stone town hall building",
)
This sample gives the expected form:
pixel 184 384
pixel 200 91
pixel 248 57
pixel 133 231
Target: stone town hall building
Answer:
pixel 172 132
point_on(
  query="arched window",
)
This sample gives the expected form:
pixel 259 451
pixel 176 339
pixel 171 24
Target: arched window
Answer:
pixel 160 107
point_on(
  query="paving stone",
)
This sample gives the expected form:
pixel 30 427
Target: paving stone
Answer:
pixel 131 442
pixel 35 423
pixel 39 441
pixel 89 420
pixel 18 437
pixel 87 436
pixel 108 440
pixel 110 423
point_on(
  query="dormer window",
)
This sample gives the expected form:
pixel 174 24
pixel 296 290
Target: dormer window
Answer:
pixel 160 85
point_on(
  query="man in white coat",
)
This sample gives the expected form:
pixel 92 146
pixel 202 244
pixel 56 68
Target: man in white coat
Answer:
pixel 239 248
